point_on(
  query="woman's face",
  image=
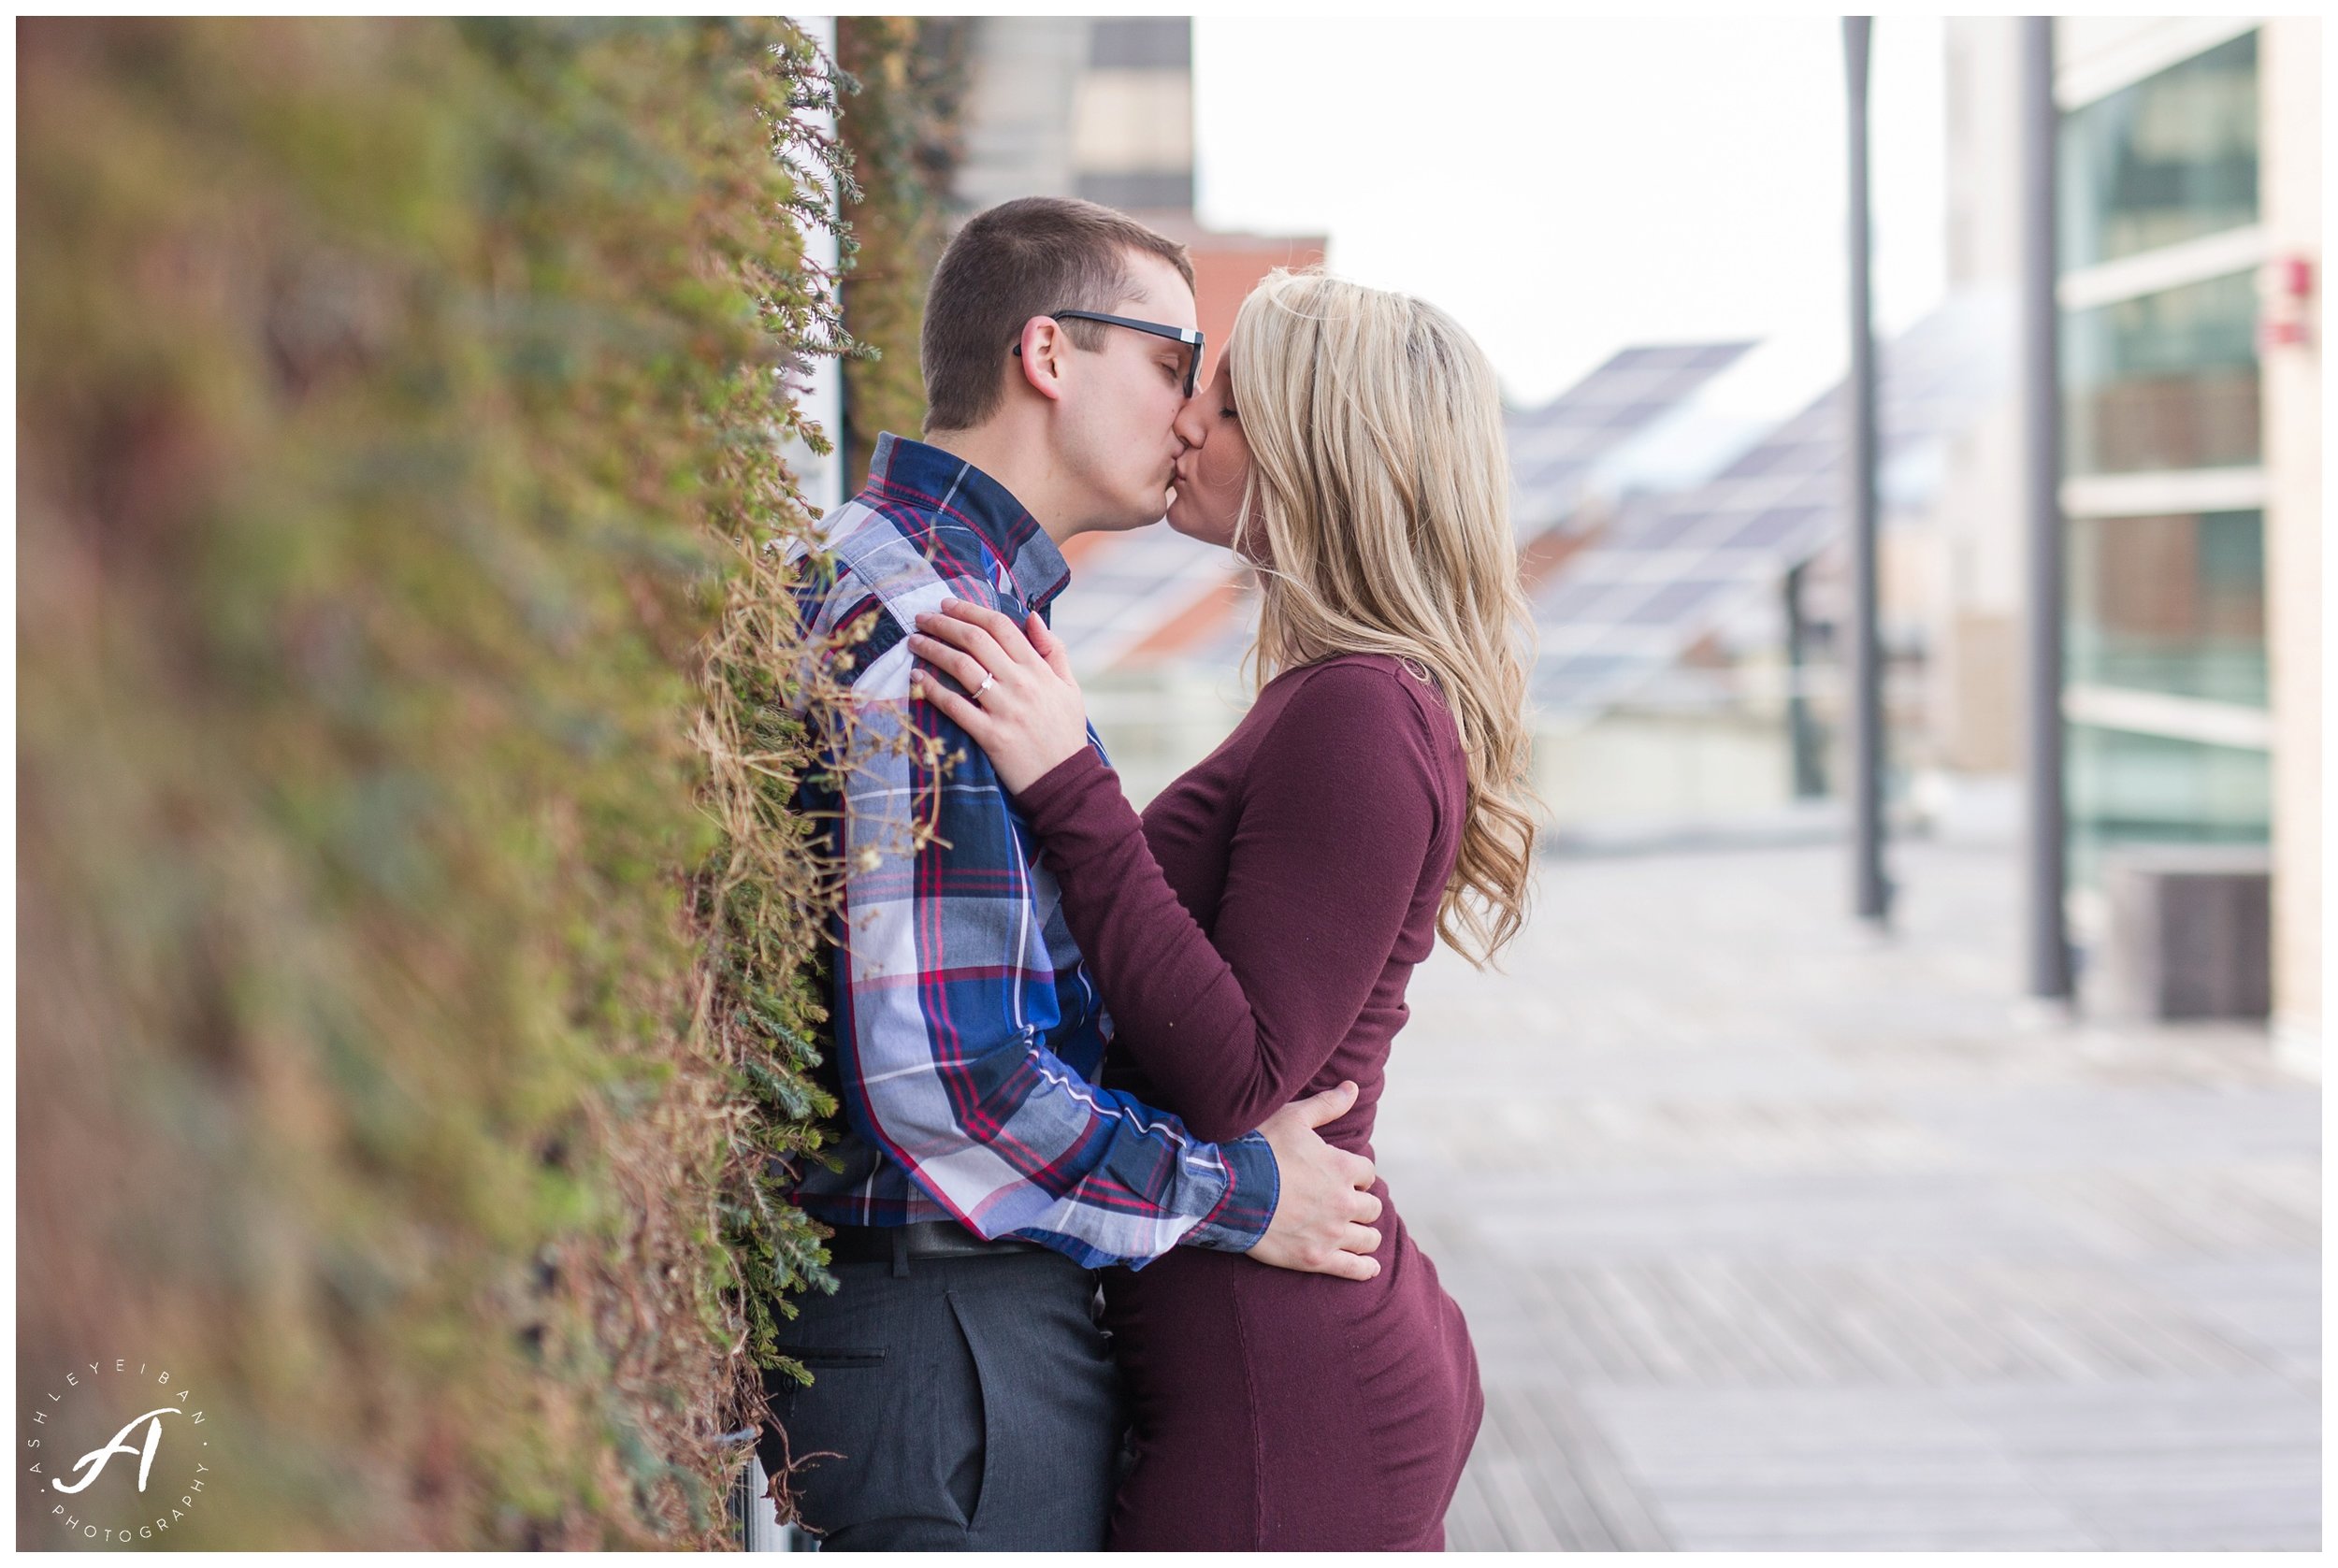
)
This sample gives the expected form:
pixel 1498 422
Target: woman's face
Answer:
pixel 1216 464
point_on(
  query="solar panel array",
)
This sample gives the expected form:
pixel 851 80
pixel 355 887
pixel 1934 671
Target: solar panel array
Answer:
pixel 1155 586
pixel 1553 449
pixel 1623 609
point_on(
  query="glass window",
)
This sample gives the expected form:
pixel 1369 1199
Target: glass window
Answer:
pixel 2130 788
pixel 2171 158
pixel 2169 604
pixel 2166 380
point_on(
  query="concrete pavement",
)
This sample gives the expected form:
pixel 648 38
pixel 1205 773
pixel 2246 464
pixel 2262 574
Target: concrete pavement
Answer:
pixel 1773 1234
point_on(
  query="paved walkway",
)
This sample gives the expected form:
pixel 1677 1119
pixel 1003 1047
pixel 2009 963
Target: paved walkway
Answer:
pixel 1773 1235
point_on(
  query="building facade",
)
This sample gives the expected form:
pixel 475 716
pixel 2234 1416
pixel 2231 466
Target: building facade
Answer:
pixel 2188 153
pixel 1072 106
pixel 1101 108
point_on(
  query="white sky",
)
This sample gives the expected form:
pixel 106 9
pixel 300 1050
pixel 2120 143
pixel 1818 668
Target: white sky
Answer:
pixel 1567 186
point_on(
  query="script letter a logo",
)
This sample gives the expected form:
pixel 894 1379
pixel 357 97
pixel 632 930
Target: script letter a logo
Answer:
pixel 97 1459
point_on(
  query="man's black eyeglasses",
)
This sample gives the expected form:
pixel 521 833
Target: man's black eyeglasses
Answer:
pixel 1191 336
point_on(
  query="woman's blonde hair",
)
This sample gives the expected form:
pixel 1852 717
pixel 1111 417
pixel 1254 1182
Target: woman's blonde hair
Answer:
pixel 1377 512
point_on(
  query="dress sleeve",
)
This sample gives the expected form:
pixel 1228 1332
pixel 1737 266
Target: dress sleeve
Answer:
pixel 1337 813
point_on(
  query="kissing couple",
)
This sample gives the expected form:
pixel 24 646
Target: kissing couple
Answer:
pixel 1115 1266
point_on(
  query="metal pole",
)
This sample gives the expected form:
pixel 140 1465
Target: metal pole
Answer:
pixel 2049 954
pixel 1801 736
pixel 1870 895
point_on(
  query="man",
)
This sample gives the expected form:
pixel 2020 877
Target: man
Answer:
pixel 959 1373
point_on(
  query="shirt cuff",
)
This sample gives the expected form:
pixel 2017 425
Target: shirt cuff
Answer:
pixel 1253 1187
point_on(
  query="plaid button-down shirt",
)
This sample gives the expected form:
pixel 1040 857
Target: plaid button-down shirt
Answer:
pixel 968 1033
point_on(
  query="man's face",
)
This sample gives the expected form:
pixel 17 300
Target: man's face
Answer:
pixel 1117 425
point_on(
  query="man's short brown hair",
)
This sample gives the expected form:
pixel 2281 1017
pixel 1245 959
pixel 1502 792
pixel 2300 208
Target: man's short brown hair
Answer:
pixel 1020 259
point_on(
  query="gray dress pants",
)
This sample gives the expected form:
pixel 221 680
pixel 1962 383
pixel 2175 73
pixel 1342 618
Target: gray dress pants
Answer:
pixel 966 1404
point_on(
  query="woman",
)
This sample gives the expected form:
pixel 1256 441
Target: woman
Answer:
pixel 1253 933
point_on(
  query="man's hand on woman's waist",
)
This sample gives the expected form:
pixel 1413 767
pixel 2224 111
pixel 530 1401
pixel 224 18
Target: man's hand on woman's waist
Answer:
pixel 1324 1218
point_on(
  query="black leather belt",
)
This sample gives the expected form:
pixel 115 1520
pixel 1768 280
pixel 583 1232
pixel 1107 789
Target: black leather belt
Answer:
pixel 927 1238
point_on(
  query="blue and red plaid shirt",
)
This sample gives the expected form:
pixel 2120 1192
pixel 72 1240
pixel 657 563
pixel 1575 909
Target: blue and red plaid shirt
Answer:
pixel 969 1034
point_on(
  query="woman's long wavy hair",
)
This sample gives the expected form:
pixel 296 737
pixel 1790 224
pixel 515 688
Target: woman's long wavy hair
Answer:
pixel 1377 512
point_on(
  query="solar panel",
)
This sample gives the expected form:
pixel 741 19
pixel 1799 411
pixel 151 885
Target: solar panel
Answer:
pixel 1779 527
pixel 1674 600
pixel 1698 553
pixel 1577 602
pixel 1555 448
pixel 1672 529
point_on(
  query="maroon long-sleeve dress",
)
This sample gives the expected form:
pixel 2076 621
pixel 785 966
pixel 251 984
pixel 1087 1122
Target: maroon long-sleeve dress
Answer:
pixel 1252 936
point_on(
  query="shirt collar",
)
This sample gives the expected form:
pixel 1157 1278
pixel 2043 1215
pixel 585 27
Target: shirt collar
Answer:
pixel 926 477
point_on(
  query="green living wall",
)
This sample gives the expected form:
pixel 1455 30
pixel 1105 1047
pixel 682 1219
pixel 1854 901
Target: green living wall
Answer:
pixel 412 921
pixel 904 128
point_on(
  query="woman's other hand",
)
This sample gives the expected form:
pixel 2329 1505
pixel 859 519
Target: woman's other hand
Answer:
pixel 1030 716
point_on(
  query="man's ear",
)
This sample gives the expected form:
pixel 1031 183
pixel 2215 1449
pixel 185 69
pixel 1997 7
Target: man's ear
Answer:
pixel 1040 356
